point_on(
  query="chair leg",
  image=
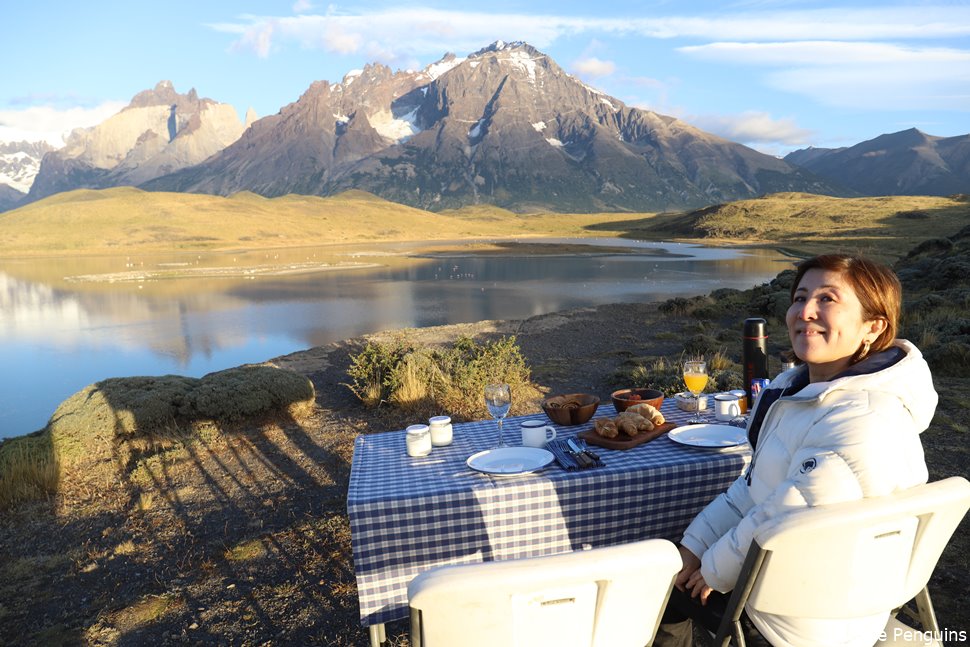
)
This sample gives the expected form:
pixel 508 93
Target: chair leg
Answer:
pixel 377 634
pixel 927 615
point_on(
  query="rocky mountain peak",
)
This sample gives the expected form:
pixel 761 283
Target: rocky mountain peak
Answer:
pixel 158 132
pixel 502 46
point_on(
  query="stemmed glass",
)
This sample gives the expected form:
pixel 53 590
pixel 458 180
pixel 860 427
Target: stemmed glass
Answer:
pixel 695 377
pixel 498 399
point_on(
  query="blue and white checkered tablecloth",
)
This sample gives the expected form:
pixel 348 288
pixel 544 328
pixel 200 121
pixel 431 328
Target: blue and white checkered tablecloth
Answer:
pixel 408 515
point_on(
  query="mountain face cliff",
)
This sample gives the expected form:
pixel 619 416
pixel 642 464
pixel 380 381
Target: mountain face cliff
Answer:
pixel 504 126
pixel 909 162
pixel 159 132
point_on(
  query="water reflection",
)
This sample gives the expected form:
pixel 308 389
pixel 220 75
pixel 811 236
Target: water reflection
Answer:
pixel 143 317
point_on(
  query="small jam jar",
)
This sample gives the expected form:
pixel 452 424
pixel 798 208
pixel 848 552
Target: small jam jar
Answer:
pixel 742 399
pixel 440 430
pixel 418 440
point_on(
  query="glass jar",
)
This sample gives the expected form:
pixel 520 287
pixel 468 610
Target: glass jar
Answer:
pixel 441 431
pixel 418 440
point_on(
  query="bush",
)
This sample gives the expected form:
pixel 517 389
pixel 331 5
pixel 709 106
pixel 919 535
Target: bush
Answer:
pixel 374 372
pixel 442 379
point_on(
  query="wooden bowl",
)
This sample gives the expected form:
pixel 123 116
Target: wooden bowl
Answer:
pixel 571 409
pixel 622 399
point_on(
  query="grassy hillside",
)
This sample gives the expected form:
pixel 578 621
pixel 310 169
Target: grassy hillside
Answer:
pixel 882 227
pixel 126 220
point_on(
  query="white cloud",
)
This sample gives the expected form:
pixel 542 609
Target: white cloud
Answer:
pixel 302 6
pixel 408 32
pixel 593 67
pixel 46 123
pixel 826 52
pixel 399 33
pixel 753 127
pixel 874 76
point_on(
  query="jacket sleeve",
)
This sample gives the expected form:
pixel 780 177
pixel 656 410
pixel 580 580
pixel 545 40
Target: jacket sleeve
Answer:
pixel 850 453
pixel 718 517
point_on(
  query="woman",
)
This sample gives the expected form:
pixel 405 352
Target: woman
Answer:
pixel 842 425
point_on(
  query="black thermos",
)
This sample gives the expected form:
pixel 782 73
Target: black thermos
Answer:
pixel 755 354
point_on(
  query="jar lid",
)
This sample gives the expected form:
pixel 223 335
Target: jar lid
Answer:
pixel 439 420
pixel 418 429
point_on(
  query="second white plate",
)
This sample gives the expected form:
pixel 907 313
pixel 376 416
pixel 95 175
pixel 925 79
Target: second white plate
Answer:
pixel 708 435
pixel 510 460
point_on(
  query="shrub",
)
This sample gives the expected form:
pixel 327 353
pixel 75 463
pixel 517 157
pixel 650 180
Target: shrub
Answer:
pixel 442 379
pixel 374 373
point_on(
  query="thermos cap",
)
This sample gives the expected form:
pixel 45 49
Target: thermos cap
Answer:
pixel 754 328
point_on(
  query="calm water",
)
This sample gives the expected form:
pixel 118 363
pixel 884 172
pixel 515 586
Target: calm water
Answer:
pixel 66 323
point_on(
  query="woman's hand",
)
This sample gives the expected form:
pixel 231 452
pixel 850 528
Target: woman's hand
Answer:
pixel 691 564
pixel 698 587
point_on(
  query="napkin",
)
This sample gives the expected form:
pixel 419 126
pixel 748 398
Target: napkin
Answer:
pixel 565 458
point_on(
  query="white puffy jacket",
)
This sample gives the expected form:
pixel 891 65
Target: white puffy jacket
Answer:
pixel 850 438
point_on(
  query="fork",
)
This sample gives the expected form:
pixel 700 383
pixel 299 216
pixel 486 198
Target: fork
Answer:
pixel 583 446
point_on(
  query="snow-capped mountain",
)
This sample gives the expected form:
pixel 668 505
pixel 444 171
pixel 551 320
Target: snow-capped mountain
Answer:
pixel 19 164
pixel 504 125
pixel 159 132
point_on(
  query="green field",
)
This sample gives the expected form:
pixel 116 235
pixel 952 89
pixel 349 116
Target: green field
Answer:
pixel 127 220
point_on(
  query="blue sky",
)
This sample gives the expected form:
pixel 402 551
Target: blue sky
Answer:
pixel 776 75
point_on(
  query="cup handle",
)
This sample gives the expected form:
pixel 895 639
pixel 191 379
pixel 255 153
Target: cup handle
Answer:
pixel 553 436
pixel 735 409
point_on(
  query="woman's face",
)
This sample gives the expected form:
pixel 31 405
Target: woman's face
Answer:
pixel 825 323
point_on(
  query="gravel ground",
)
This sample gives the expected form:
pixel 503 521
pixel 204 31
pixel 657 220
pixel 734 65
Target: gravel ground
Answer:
pixel 242 538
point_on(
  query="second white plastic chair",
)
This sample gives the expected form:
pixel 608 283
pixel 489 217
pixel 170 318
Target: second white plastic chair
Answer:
pixel 606 597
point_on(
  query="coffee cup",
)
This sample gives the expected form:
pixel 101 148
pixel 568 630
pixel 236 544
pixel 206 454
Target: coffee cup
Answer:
pixel 726 406
pixel 536 433
pixel 742 399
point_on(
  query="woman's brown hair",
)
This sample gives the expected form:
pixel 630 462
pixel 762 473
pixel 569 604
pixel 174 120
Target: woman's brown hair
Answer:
pixel 876 286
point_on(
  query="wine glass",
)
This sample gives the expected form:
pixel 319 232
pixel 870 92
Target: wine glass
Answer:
pixel 498 399
pixel 695 377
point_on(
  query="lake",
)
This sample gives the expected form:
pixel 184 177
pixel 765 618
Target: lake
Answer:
pixel 68 322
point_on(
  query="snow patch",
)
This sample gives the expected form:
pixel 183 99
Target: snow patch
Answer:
pixel 351 76
pixel 341 119
pixel 610 104
pixel 554 142
pixel 476 130
pixel 539 126
pixel 437 69
pixel 398 129
pixel 524 62
pixel 475 64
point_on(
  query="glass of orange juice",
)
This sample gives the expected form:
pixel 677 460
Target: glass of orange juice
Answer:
pixel 695 377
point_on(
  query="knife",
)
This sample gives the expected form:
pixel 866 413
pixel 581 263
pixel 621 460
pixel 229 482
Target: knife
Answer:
pixel 578 454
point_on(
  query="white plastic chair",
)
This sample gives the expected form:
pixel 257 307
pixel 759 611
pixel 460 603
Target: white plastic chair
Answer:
pixel 605 597
pixel 851 560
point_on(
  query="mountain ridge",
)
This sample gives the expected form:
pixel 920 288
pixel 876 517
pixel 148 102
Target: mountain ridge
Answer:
pixel 907 162
pixel 504 126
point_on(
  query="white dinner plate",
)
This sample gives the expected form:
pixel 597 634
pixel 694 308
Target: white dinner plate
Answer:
pixel 510 460
pixel 707 435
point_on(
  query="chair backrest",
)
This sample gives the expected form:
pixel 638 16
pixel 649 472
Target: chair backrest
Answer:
pixel 611 596
pixel 857 558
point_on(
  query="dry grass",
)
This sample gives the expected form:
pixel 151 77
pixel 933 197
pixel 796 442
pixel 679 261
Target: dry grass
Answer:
pixel 882 227
pixel 28 469
pixel 127 221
